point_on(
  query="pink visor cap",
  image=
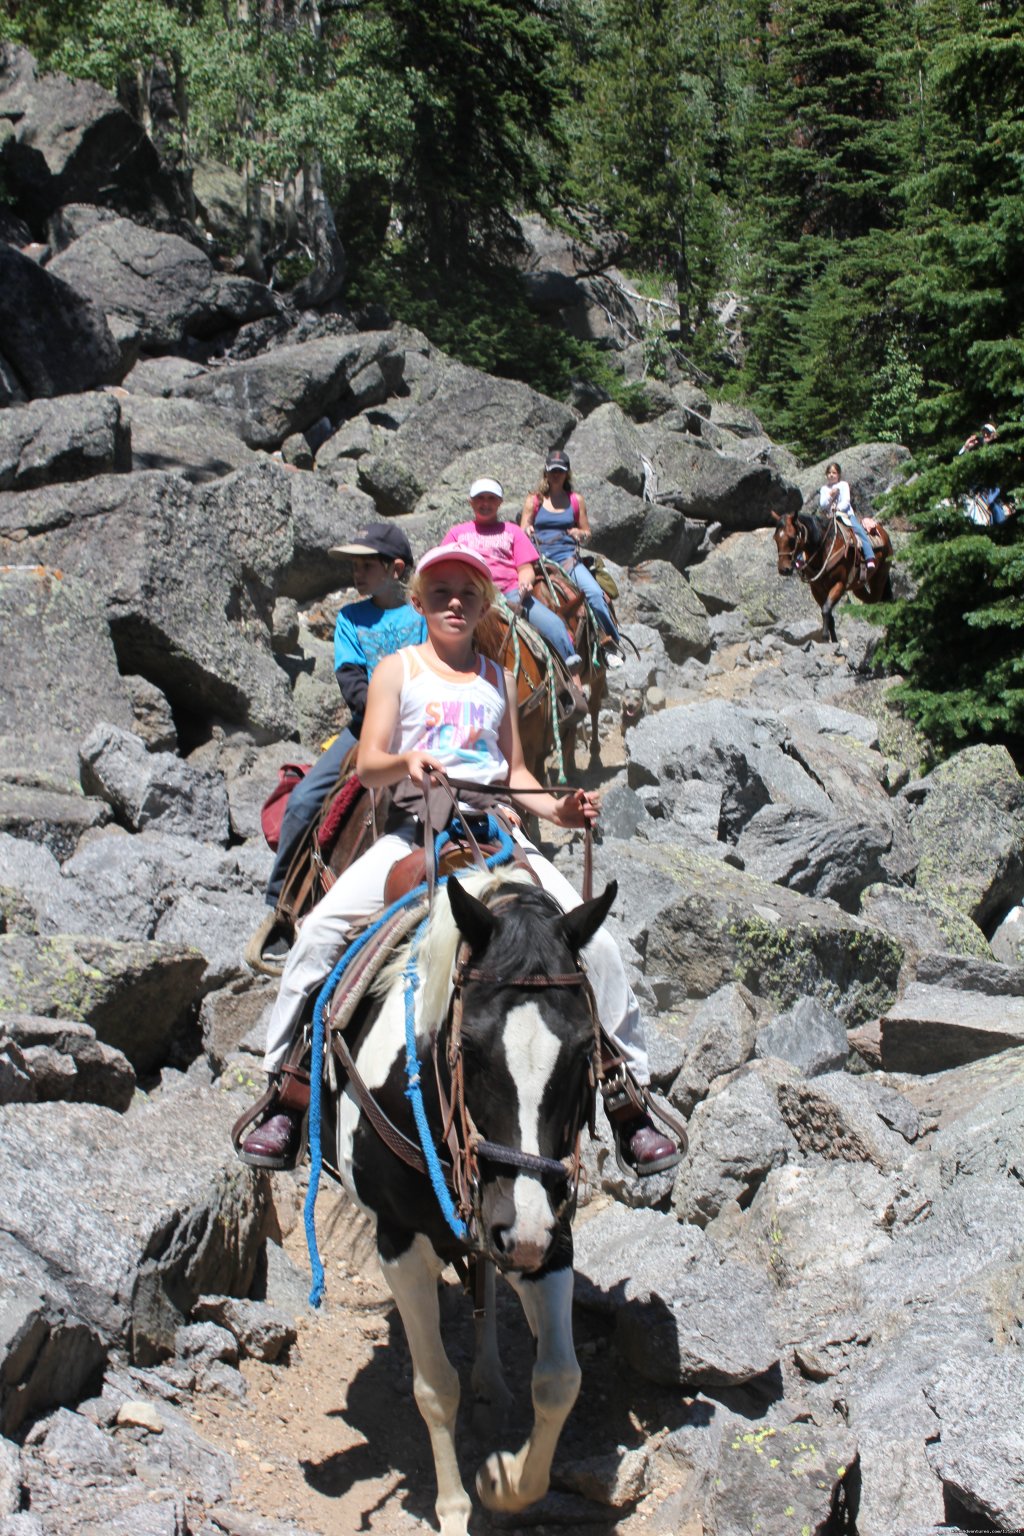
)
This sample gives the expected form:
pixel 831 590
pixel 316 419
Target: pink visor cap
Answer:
pixel 454 552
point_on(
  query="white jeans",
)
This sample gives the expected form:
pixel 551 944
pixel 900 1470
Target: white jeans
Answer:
pixel 359 892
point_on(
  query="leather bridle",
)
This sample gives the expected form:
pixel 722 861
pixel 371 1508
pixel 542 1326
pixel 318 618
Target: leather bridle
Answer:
pixel 466 1147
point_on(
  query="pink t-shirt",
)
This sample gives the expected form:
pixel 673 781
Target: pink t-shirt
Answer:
pixel 503 545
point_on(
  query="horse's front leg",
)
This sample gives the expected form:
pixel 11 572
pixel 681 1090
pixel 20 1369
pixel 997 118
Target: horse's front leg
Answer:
pixel 509 1481
pixel 598 691
pixel 413 1280
pixel 491 1395
pixel 828 607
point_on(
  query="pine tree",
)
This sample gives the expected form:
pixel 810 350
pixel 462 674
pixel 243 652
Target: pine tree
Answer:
pixel 823 179
pixel 960 640
pixel 965 220
pixel 649 142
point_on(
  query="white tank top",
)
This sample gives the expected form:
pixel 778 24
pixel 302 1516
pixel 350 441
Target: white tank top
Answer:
pixel 457 722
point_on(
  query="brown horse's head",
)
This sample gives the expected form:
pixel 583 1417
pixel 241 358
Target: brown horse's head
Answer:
pixel 790 540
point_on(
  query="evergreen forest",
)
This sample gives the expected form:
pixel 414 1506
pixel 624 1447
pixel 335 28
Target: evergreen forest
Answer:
pixel 848 175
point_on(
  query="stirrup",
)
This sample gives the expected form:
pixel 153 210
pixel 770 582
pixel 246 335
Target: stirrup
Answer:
pixel 625 1101
pixel 253 955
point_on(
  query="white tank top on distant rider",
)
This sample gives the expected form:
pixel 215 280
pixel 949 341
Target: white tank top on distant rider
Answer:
pixel 457 722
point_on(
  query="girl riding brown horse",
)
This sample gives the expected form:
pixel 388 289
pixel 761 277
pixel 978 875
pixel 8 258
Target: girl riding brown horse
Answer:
pixel 825 553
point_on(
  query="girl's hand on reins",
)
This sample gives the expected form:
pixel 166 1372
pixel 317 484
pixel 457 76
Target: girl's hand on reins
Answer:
pixel 420 764
pixel 580 809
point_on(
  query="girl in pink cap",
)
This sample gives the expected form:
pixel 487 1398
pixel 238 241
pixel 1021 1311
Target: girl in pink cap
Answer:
pixel 442 706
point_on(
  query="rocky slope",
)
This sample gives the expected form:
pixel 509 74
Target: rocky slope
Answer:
pixel 829 945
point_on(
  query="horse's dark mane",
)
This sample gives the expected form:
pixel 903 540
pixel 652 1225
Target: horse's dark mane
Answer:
pixel 815 528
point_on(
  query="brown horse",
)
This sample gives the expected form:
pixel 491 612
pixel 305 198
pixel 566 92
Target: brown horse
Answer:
pixel 543 687
pixel 350 818
pixel 827 554
pixel 558 590
pixel 543 691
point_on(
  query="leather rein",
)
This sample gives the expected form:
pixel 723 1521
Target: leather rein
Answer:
pixel 837 547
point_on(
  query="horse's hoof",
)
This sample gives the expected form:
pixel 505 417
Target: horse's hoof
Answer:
pixel 497 1486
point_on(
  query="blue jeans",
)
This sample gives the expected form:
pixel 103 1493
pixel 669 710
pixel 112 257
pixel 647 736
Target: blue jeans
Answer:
pixel 547 624
pixel 304 802
pixel 861 532
pixel 594 593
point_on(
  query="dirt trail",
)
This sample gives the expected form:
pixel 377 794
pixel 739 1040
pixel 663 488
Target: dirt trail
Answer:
pixel 334 1441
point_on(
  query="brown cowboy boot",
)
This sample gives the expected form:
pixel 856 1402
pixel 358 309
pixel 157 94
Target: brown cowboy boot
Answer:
pixel 640 1148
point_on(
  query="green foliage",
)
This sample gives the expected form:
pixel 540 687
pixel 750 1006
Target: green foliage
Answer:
pixel 825 167
pixel 646 125
pixel 959 641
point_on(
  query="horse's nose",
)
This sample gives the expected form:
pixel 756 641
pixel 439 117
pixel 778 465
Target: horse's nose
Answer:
pixel 503 1219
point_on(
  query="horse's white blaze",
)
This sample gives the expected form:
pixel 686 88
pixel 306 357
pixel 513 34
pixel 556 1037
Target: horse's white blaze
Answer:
pixel 531 1051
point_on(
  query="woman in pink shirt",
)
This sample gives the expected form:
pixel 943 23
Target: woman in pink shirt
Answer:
pixel 509 555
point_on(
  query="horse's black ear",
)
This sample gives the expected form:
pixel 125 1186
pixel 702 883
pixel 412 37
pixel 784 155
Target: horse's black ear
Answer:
pixel 475 922
pixel 579 926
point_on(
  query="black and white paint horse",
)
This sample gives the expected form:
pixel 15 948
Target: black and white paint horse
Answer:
pixel 516 1036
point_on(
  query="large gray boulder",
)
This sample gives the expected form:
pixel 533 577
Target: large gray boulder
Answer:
pixel 53 340
pixel 978 1456
pixel 155 281
pixel 289 388
pixel 605 449
pixel 808 1036
pixel 660 596
pixel 187 574
pixel 49 1351
pixel 737 1136
pixel 136 1239
pixel 70 141
pixel 737 492
pixel 800 809
pixel 196 441
pixel 323 515
pixel 139 998
pixel 467 411
pixel 60 668
pixel 968 825
pixel 720 1039
pixel 741 575
pixel 154 789
pixel 921 923
pixel 64 1060
pixel 682 1315
pixel 43 443
pixel 835 1116
pixel 53 819
pixel 150 885
pixel 934 1027
pixel 162 286
pixel 733 1472
pixel 696 924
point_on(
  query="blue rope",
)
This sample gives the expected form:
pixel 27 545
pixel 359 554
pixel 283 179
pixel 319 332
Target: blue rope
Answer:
pixel 414 1093
pixel 320 1009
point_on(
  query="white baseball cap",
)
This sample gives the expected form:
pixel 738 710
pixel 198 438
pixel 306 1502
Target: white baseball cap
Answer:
pixel 454 552
pixel 486 487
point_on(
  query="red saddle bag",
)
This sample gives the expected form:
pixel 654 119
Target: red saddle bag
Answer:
pixel 276 803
